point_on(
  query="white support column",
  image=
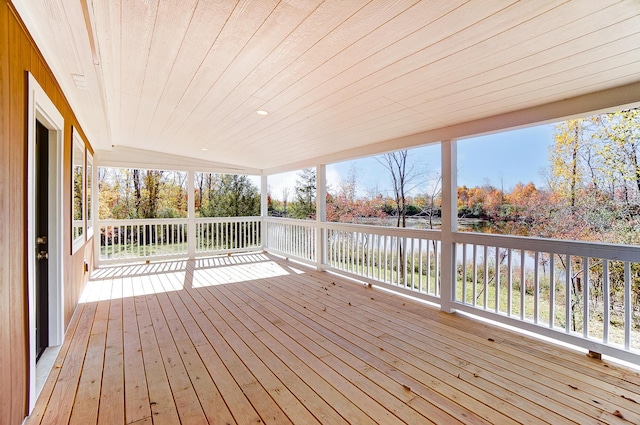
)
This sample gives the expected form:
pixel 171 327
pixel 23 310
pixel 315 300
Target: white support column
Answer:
pixel 321 215
pixel 191 215
pixel 264 210
pixel 95 205
pixel 449 222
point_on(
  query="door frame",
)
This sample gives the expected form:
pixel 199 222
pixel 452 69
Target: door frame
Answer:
pixel 42 109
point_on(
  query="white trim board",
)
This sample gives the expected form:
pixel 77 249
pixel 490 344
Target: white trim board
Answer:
pixel 43 110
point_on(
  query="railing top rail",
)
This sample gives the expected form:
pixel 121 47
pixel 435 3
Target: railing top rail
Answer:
pixel 554 246
pixel 227 219
pixel 290 221
pixel 385 230
pixel 363 228
pixel 142 221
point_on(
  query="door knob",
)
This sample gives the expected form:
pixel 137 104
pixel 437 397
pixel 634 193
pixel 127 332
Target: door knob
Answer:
pixel 43 255
pixel 41 240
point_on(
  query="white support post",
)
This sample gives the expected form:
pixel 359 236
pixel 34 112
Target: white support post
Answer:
pixel 95 205
pixel 191 215
pixel 449 223
pixel 321 215
pixel 264 210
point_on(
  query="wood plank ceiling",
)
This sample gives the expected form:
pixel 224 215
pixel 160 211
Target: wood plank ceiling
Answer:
pixel 186 77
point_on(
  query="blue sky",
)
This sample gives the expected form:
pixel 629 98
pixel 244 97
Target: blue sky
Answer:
pixel 505 158
pixel 518 156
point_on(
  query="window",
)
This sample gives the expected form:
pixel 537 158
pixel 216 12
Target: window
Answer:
pixel 77 190
pixel 89 205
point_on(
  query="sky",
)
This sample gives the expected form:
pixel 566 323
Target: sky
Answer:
pixel 501 159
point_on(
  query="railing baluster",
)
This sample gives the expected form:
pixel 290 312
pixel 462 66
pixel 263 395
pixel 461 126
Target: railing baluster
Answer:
pixel 536 286
pixel 358 251
pixel 393 243
pixel 567 298
pixel 509 281
pixel 486 277
pixel 497 279
pixel 113 231
pixel 585 298
pixel 474 301
pixel 429 280
pixel 627 305
pixel 523 284
pixel 436 283
pixel 378 258
pixel 463 295
pixel 552 290
pixel 606 299
pixel 420 243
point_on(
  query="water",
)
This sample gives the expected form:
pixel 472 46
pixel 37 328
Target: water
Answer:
pixel 464 224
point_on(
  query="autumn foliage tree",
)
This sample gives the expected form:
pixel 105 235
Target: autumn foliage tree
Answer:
pixel 137 193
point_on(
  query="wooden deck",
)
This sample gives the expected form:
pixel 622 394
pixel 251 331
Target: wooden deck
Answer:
pixel 253 339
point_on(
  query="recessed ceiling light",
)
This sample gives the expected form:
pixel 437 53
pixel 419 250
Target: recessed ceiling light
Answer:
pixel 261 112
pixel 205 149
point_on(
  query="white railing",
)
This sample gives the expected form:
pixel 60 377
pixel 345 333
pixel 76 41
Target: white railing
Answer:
pixel 78 227
pixel 133 240
pixel 408 259
pixel 550 287
pixel 122 241
pixel 405 259
pixel 576 292
pixel 217 235
pixel 291 238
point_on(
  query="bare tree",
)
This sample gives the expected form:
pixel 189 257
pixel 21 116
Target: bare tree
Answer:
pixel 429 209
pixel 402 174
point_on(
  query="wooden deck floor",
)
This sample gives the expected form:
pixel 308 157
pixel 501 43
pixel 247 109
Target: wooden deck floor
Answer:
pixel 251 339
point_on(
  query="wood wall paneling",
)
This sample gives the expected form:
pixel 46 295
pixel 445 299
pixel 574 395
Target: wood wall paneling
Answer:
pixel 19 55
pixel 17 378
pixel 5 272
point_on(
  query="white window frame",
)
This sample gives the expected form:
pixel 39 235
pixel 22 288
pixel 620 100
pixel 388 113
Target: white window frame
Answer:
pixel 79 145
pixel 88 203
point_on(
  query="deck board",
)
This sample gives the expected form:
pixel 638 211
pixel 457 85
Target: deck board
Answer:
pixel 442 362
pixel 255 339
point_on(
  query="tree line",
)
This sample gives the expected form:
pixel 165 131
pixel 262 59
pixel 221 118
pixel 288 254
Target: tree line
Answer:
pixel 591 192
pixel 139 193
pixel 593 177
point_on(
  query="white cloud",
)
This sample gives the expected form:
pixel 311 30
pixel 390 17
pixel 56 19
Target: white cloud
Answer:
pixel 276 183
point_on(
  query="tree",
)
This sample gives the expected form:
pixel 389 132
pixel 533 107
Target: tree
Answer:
pixel 236 196
pixel 305 204
pixel 564 157
pixel 146 185
pixel 402 174
pixel 430 203
pixel 346 207
pixel 226 195
pixel 620 134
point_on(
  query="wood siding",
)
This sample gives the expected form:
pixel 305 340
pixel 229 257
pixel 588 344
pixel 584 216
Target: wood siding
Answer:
pixel 18 54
